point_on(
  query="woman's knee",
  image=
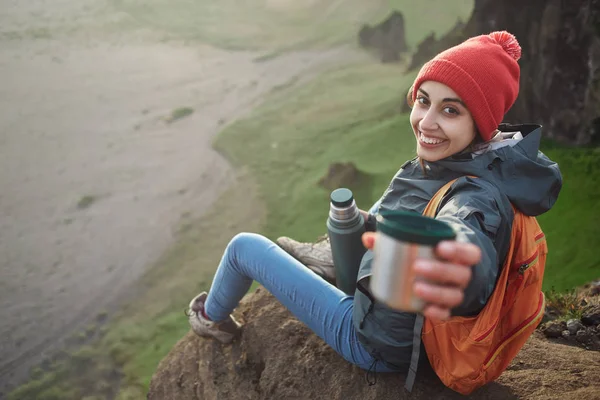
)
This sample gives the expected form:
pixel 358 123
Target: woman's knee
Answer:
pixel 243 242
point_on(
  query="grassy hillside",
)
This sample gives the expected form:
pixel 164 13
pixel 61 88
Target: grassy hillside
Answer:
pixel 349 114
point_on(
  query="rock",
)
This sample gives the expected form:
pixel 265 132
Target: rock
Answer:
pixel 591 316
pixel 550 314
pixel 340 175
pixel 565 334
pixel 388 38
pixel 426 50
pixel 573 326
pixel 589 338
pixel 277 357
pixel 554 329
pixel 430 46
pixel 589 291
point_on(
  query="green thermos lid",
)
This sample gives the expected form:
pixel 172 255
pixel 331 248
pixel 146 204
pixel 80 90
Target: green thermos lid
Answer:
pixel 342 197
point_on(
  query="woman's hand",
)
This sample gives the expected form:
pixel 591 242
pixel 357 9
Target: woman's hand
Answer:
pixel 447 276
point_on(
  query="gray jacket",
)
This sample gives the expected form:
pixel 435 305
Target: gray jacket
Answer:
pixel 479 210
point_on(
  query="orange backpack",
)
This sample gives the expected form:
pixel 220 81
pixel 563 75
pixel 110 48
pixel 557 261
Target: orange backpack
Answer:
pixel 468 352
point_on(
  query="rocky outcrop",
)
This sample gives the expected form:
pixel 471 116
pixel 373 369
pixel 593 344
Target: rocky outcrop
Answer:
pixel 430 46
pixel 560 65
pixel 387 38
pixel 340 174
pixel 277 357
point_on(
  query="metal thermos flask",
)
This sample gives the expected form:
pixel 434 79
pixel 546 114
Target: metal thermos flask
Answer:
pixel 345 227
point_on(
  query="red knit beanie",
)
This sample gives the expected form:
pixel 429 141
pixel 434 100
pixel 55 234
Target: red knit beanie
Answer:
pixel 484 73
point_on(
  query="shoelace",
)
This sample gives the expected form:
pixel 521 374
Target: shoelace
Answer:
pixel 372 372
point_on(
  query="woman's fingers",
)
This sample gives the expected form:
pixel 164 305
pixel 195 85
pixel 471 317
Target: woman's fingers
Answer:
pixel 443 273
pixel 368 240
pixel 458 253
pixel 444 297
pixel 447 277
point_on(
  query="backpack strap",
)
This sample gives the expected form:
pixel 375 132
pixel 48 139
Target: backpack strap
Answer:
pixel 434 203
pixel 416 352
pixel 430 211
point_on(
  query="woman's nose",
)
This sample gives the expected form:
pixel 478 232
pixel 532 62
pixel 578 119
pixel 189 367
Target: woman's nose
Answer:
pixel 429 121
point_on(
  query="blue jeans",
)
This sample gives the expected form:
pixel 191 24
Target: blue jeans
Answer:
pixel 325 309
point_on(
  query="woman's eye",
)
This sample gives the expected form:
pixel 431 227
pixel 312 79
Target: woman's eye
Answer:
pixel 422 100
pixel 451 110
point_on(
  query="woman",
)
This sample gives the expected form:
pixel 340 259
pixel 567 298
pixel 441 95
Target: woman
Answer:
pixel 458 101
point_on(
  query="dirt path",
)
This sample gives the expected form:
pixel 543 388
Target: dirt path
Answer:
pixel 94 180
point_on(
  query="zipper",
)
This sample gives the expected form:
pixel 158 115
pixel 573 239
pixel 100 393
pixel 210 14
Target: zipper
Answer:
pixel 528 263
pixel 536 316
pixel 523 268
pixel 486 333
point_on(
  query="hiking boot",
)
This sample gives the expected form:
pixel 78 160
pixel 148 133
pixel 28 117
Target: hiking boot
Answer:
pixel 224 331
pixel 315 256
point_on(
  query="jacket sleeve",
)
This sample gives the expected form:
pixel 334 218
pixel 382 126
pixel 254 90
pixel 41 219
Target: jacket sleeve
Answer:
pixel 481 215
pixel 375 207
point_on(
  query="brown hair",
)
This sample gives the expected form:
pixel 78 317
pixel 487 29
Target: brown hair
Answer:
pixel 409 97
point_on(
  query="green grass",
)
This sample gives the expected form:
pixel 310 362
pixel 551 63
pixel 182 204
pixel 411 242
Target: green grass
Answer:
pixel 338 117
pixel 285 24
pixel 572 226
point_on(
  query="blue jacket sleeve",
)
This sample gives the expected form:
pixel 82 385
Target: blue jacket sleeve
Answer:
pixel 481 215
pixel 375 207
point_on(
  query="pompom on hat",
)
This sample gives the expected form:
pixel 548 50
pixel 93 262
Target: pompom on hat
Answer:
pixel 484 72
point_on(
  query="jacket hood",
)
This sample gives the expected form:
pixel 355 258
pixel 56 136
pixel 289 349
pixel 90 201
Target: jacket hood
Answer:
pixel 531 180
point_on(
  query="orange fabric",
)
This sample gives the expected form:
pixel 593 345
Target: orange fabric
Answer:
pixel 468 352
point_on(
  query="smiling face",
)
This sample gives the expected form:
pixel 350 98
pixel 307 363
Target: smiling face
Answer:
pixel 441 122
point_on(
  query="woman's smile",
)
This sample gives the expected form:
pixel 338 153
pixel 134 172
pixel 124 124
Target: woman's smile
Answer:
pixel 429 141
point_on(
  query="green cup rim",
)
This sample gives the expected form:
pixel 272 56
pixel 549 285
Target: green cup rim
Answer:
pixel 414 228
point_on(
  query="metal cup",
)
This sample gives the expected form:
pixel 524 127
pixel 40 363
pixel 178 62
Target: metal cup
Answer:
pixel 402 238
